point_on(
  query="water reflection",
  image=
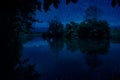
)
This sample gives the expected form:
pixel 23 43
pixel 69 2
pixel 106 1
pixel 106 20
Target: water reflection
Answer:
pixel 94 46
pixel 72 69
pixel 91 48
pixel 56 44
pixel 72 44
pixel 73 59
pixel 92 61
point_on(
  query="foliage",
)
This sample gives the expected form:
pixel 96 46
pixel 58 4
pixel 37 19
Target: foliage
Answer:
pixel 94 29
pixel 55 3
pixel 55 28
pixel 71 30
pixel 68 1
pixel 114 2
pixel 71 36
pixel 16 16
pixel 26 71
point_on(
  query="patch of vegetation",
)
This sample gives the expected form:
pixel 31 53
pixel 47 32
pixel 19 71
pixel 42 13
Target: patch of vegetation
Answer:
pixel 96 30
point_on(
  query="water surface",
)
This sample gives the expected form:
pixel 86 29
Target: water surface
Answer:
pixel 74 60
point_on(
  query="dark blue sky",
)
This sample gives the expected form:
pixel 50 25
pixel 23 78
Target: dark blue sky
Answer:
pixel 76 12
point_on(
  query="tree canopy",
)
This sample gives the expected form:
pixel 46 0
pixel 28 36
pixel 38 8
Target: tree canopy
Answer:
pixel 114 3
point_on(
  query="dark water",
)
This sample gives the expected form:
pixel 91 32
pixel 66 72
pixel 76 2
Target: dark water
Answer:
pixel 74 59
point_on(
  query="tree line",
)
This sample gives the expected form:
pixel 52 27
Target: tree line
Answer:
pixel 91 27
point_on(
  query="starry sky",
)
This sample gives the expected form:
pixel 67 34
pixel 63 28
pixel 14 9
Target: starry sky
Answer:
pixel 76 12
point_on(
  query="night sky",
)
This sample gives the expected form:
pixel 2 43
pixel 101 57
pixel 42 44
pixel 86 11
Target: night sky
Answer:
pixel 75 12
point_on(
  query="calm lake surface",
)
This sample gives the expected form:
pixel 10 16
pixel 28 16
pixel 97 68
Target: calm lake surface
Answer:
pixel 72 60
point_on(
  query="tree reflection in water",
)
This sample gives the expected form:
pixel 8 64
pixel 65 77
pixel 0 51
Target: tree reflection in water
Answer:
pixel 56 44
pixel 72 44
pixel 91 48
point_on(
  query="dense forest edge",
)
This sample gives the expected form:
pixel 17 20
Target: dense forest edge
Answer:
pixel 88 29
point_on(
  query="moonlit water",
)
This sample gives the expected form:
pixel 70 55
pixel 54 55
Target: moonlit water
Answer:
pixel 59 62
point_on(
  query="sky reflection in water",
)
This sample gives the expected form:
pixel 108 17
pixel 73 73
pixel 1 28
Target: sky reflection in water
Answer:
pixel 73 60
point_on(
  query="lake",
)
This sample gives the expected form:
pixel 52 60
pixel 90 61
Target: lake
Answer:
pixel 74 60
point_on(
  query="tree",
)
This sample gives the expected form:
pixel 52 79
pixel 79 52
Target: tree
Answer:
pixel 14 16
pixel 71 30
pixel 93 28
pixel 114 2
pixel 96 30
pixel 55 28
pixel 48 3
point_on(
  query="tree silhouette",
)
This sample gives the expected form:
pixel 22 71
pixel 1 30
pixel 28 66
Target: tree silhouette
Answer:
pixel 14 16
pixel 71 30
pixel 48 3
pixel 55 28
pixel 114 2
